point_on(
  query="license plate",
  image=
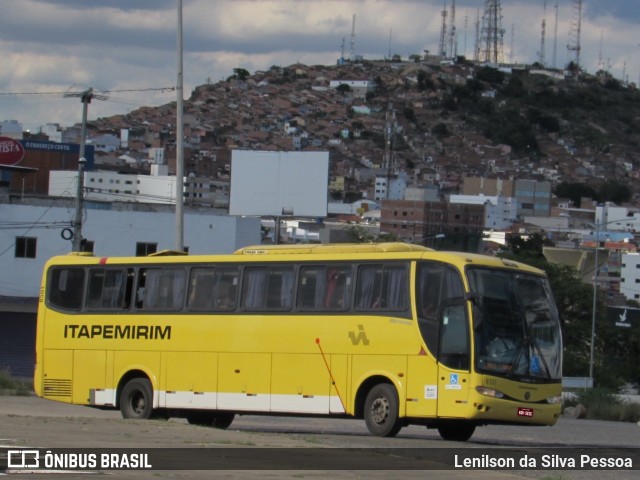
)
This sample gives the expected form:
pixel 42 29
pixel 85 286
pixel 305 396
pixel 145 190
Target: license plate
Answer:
pixel 525 412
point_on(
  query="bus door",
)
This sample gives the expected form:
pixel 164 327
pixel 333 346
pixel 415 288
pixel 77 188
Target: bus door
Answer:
pixel 442 322
pixel 453 360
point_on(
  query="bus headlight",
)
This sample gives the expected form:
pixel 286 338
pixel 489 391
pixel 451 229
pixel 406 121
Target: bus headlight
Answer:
pixel 554 400
pixel 489 392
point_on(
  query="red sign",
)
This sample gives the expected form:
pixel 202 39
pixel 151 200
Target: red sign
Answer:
pixel 11 151
pixel 525 412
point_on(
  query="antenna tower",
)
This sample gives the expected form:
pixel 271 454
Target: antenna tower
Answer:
pixel 555 37
pixel 442 50
pixel 492 33
pixel 352 53
pixel 541 53
pixel 453 37
pixel 600 62
pixel 574 35
pixel 476 47
pixel 466 27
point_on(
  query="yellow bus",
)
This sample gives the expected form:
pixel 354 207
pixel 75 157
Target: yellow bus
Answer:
pixel 394 334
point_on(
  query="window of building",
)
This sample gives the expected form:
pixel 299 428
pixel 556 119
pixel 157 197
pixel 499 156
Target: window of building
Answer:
pixel 143 249
pixel 26 247
pixel 87 245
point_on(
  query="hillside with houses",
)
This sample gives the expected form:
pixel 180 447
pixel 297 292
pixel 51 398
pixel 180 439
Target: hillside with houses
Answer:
pixel 435 122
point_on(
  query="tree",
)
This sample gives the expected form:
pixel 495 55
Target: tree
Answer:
pixel 575 192
pixel 343 88
pixel 490 75
pixel 612 191
pixel 241 73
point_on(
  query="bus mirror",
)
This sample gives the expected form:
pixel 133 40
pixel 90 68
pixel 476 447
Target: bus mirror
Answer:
pixel 473 297
pixel 476 302
pixel 477 317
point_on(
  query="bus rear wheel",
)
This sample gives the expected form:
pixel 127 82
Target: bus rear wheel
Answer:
pixel 456 431
pixel 381 411
pixel 221 420
pixel 136 399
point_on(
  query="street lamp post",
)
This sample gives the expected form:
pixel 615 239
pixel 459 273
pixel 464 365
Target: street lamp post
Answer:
pixel 594 309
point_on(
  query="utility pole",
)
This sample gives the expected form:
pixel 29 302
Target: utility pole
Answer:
pixel 179 142
pixel 85 98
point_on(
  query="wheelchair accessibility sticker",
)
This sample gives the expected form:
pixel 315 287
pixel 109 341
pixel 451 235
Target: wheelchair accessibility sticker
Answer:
pixel 453 382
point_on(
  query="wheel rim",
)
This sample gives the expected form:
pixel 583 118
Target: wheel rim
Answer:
pixel 138 403
pixel 380 410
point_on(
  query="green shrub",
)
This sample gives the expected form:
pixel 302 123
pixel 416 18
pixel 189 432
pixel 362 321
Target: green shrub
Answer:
pixel 602 404
pixel 13 386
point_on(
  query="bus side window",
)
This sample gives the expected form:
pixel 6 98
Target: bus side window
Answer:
pixel 338 288
pixel 108 289
pixel 66 287
pixel 382 287
pixel 161 289
pixel 225 289
pixel 268 288
pixel 201 288
pixel 310 288
pixel 280 289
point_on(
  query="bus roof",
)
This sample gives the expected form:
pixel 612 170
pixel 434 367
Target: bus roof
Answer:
pixel 307 248
pixel 306 252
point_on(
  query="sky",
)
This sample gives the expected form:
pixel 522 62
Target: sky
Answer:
pixel 127 49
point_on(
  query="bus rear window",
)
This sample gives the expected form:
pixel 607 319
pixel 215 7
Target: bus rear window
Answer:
pixel 66 286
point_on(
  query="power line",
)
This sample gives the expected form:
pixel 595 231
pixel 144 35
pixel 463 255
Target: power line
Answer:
pixel 159 89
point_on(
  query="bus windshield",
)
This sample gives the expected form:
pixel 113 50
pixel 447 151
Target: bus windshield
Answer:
pixel 517 330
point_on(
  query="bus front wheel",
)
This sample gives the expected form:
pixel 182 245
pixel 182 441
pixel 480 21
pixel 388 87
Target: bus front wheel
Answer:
pixel 381 411
pixel 136 399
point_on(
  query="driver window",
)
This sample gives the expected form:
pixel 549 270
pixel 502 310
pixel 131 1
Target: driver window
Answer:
pixel 454 339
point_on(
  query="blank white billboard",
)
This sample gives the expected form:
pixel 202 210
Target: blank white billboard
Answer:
pixel 279 183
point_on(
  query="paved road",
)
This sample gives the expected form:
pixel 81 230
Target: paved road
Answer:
pixel 36 423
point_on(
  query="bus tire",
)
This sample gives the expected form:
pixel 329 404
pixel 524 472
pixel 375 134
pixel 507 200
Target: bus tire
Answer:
pixel 223 420
pixel 207 418
pixel 136 399
pixel 456 431
pixel 381 411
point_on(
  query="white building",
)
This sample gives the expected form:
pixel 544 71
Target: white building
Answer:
pixel 630 276
pixel 53 131
pixel 32 233
pixel 391 188
pixel 105 143
pixel 11 129
pixel 359 88
pixel 156 155
pixel 113 186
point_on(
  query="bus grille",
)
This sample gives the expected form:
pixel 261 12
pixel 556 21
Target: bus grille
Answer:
pixel 57 388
